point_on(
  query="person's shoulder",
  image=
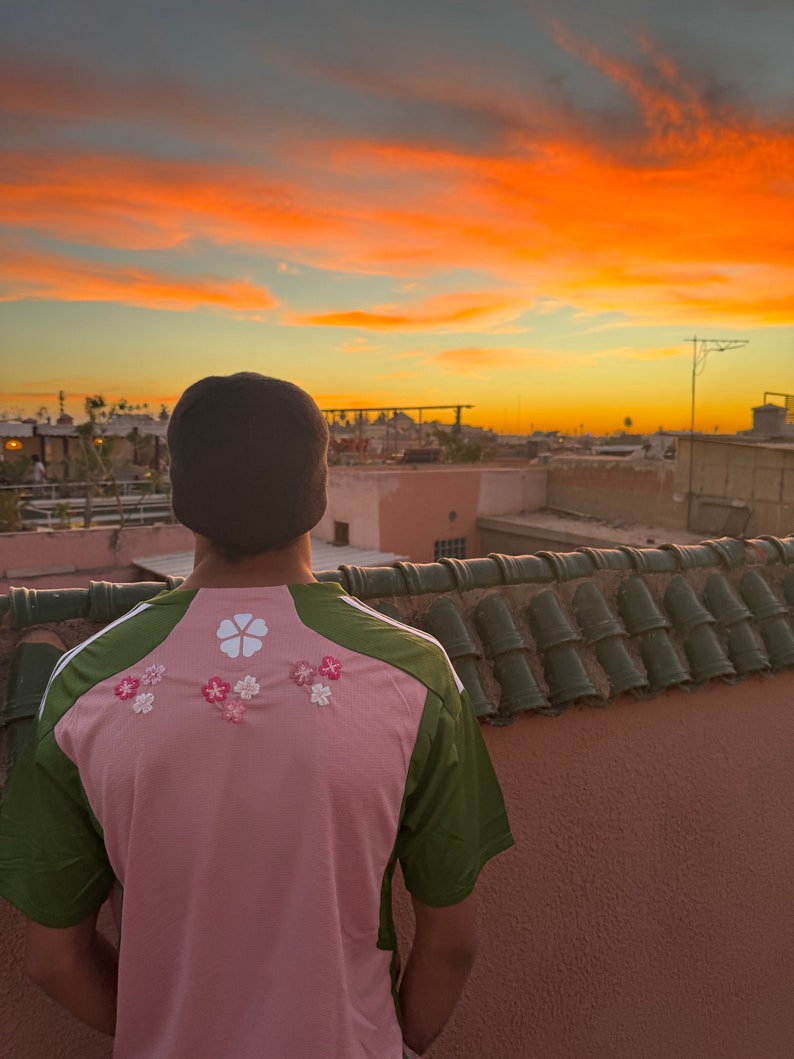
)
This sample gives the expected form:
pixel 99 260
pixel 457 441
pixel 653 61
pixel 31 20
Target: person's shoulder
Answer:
pixel 360 627
pixel 107 652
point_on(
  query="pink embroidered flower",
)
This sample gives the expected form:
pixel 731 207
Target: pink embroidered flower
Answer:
pixel 215 690
pixel 232 711
pixel 126 688
pixel 330 667
pixel 302 673
pixel 144 702
pixel 246 688
pixel 152 674
pixel 321 694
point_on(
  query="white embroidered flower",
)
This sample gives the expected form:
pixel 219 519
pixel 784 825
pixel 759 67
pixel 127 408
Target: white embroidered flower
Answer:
pixel 143 702
pixel 246 688
pixel 153 674
pixel 321 694
pixel 244 631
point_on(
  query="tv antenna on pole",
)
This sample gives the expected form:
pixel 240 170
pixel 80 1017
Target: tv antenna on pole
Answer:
pixel 701 347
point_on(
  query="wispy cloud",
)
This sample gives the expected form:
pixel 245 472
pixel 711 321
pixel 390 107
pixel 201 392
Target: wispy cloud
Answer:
pixel 479 360
pixel 39 276
pixel 444 312
pixel 687 212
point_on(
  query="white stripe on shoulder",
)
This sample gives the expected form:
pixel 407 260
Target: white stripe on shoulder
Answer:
pixel 407 628
pixel 64 660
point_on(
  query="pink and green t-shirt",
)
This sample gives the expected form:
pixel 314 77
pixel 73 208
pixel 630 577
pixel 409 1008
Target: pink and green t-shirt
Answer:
pixel 249 764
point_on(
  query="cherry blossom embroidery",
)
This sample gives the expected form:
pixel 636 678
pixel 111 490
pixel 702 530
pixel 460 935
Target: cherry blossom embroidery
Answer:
pixel 321 694
pixel 246 688
pixel 244 632
pixel 215 690
pixel 153 674
pixel 143 702
pixel 330 667
pixel 232 711
pixel 127 687
pixel 302 673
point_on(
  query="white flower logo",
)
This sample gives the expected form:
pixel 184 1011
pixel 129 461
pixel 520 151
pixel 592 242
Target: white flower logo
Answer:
pixel 144 703
pixel 243 631
pixel 246 688
pixel 321 694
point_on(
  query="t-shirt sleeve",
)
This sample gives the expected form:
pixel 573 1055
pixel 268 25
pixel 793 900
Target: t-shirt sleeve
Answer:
pixel 53 864
pixel 454 817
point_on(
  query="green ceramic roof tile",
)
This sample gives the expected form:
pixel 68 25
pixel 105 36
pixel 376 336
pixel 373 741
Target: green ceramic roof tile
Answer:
pixel 705 656
pixel 684 607
pixel 569 566
pixel 523 569
pixel 779 642
pixel 759 597
pixel 496 627
pixel 661 662
pixel 734 617
pixel 637 608
pixel 608 558
pixel 723 602
pixel 31 606
pixel 549 623
pixel 651 560
pixel 473 573
pixel 744 650
pixel 731 551
pixel 520 691
pixel 29 670
pixel 445 622
pixel 504 644
pixel 567 677
pixel 109 601
pixel 502 617
pixel 788 588
pixel 690 556
pixel 623 675
pixel 592 611
pixel 784 548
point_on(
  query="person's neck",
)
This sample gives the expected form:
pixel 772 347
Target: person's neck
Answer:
pixel 287 566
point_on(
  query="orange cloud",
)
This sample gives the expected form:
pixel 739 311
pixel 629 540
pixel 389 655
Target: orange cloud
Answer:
pixel 689 214
pixel 445 312
pixel 472 360
pixel 27 275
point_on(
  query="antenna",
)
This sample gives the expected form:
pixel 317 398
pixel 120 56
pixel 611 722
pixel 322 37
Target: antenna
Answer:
pixel 701 347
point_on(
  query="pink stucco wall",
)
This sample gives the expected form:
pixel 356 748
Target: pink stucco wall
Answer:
pixel 646 909
pixel 102 554
pixel 405 509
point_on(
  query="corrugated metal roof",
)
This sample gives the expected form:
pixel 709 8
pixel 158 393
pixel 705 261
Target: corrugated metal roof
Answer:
pixel 325 556
pixel 12 428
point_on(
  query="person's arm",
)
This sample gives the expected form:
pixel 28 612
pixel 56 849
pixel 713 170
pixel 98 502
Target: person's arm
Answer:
pixel 77 967
pixel 445 944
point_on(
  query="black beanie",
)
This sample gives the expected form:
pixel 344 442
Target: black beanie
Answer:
pixel 248 461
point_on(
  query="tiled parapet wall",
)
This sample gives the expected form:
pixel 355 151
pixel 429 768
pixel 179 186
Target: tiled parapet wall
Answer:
pixel 539 633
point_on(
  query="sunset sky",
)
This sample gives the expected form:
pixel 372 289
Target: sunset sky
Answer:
pixel 524 206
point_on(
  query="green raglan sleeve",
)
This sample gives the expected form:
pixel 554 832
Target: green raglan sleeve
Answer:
pixel 454 817
pixel 53 865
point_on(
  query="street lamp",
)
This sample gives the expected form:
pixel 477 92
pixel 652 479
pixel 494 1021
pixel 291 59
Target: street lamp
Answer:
pixel 701 347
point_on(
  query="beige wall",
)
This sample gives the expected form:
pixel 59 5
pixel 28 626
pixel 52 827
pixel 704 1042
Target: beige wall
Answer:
pixel 645 910
pixel 631 490
pixel 738 488
pixel 405 509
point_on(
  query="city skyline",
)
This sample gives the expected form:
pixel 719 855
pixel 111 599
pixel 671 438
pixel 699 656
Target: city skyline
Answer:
pixel 529 209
